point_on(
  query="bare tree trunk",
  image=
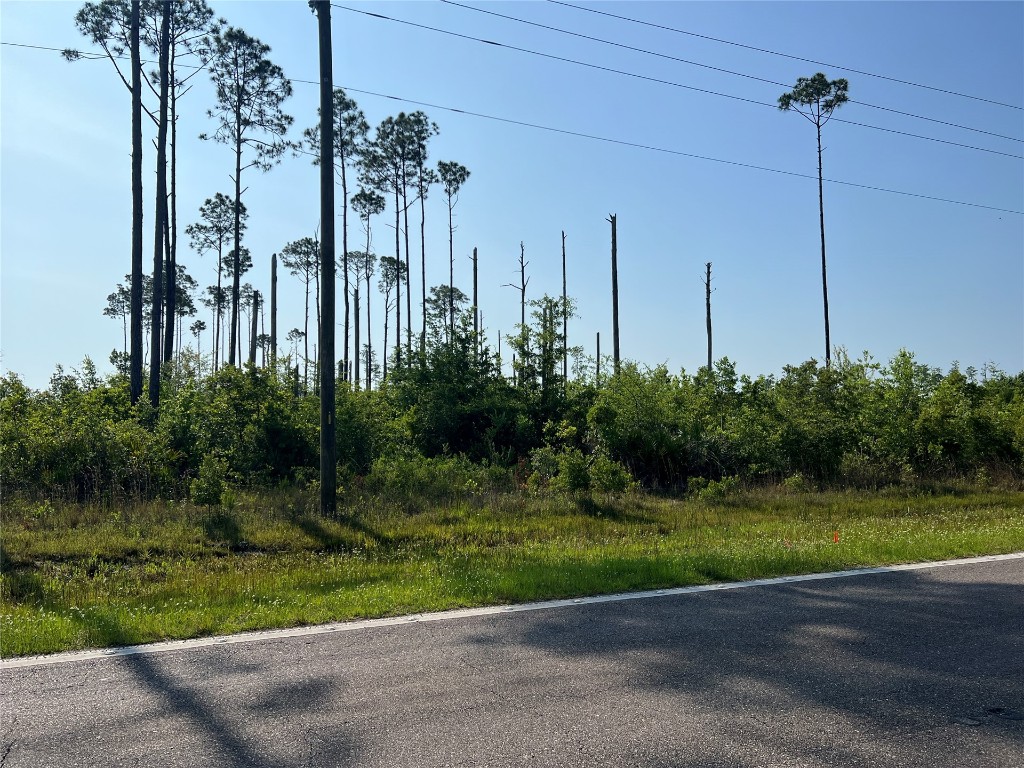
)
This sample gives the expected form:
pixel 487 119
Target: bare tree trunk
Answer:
pixel 171 225
pixel 369 338
pixel 451 272
pixel 615 295
pixel 707 297
pixel 219 312
pixel 273 312
pixel 135 363
pixel 328 444
pixel 159 232
pixel 565 321
pixel 344 257
pixel 305 341
pixel 398 283
pixel 476 308
pixel 824 277
pixel 423 263
pixel 236 263
pixel 597 376
pixel 408 272
pixel 254 331
pixel 522 285
pixel 355 377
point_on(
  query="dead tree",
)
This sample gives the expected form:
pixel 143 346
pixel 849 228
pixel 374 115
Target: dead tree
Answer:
pixel 615 296
pixel 565 320
pixel 707 297
pixel 254 333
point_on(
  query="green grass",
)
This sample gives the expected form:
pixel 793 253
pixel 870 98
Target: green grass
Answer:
pixel 78 576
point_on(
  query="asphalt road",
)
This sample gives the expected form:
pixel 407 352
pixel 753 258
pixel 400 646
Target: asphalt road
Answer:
pixel 916 668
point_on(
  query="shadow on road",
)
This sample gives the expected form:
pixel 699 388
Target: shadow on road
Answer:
pixel 903 655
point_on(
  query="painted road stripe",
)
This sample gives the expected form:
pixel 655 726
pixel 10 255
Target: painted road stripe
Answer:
pixel 462 613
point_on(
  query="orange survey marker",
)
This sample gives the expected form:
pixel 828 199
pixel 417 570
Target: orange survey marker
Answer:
pixel 835 537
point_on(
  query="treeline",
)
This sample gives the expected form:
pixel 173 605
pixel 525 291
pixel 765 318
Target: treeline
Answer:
pixel 450 421
pixel 383 173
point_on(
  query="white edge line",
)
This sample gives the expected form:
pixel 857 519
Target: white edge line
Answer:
pixel 462 613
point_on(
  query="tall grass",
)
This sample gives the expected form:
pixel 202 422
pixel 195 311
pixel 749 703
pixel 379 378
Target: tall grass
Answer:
pixel 76 576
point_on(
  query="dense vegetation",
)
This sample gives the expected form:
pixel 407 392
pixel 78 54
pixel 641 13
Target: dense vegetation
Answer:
pixel 450 418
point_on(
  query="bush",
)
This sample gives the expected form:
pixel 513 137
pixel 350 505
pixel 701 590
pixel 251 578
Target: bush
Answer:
pixel 209 487
pixel 719 489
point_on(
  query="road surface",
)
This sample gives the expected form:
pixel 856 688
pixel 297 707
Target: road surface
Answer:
pixel 909 668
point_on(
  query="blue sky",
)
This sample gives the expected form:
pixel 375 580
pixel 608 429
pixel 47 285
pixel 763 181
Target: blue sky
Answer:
pixel 944 280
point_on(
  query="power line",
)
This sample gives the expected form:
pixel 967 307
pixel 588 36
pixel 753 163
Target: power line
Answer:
pixel 661 81
pixel 787 55
pixel 716 69
pixel 608 140
pixel 665 150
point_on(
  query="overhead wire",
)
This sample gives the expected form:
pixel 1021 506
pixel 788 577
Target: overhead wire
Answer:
pixel 702 65
pixel 662 81
pixel 609 140
pixel 787 55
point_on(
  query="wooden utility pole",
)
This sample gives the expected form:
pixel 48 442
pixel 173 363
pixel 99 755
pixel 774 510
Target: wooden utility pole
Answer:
pixel 328 442
pixel 255 326
pixel 597 376
pixel 565 321
pixel 135 363
pixel 707 296
pixel 615 295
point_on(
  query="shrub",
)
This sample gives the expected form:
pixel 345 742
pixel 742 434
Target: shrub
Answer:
pixel 209 487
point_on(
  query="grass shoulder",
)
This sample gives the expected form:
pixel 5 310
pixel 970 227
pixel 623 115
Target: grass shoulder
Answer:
pixel 90 575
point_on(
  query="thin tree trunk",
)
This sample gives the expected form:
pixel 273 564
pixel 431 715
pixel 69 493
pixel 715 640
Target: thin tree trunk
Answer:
pixel 369 340
pixel 316 300
pixel 451 271
pixel 218 309
pixel 707 297
pixel 476 309
pixel 273 312
pixel 172 224
pixel 135 362
pixel 305 342
pixel 598 374
pixel 254 332
pixel 408 272
pixel 615 295
pixel 237 261
pixel 565 320
pixel 328 444
pixel 344 255
pixel 824 277
pixel 423 262
pixel 159 232
pixel 355 377
pixel 398 279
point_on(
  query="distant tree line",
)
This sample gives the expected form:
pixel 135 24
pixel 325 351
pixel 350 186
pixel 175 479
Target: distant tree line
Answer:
pixel 856 423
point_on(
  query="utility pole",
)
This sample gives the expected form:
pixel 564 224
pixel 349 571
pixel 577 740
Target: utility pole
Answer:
pixel 328 442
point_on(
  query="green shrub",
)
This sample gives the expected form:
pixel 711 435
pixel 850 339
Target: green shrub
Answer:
pixel 209 487
pixel 719 489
